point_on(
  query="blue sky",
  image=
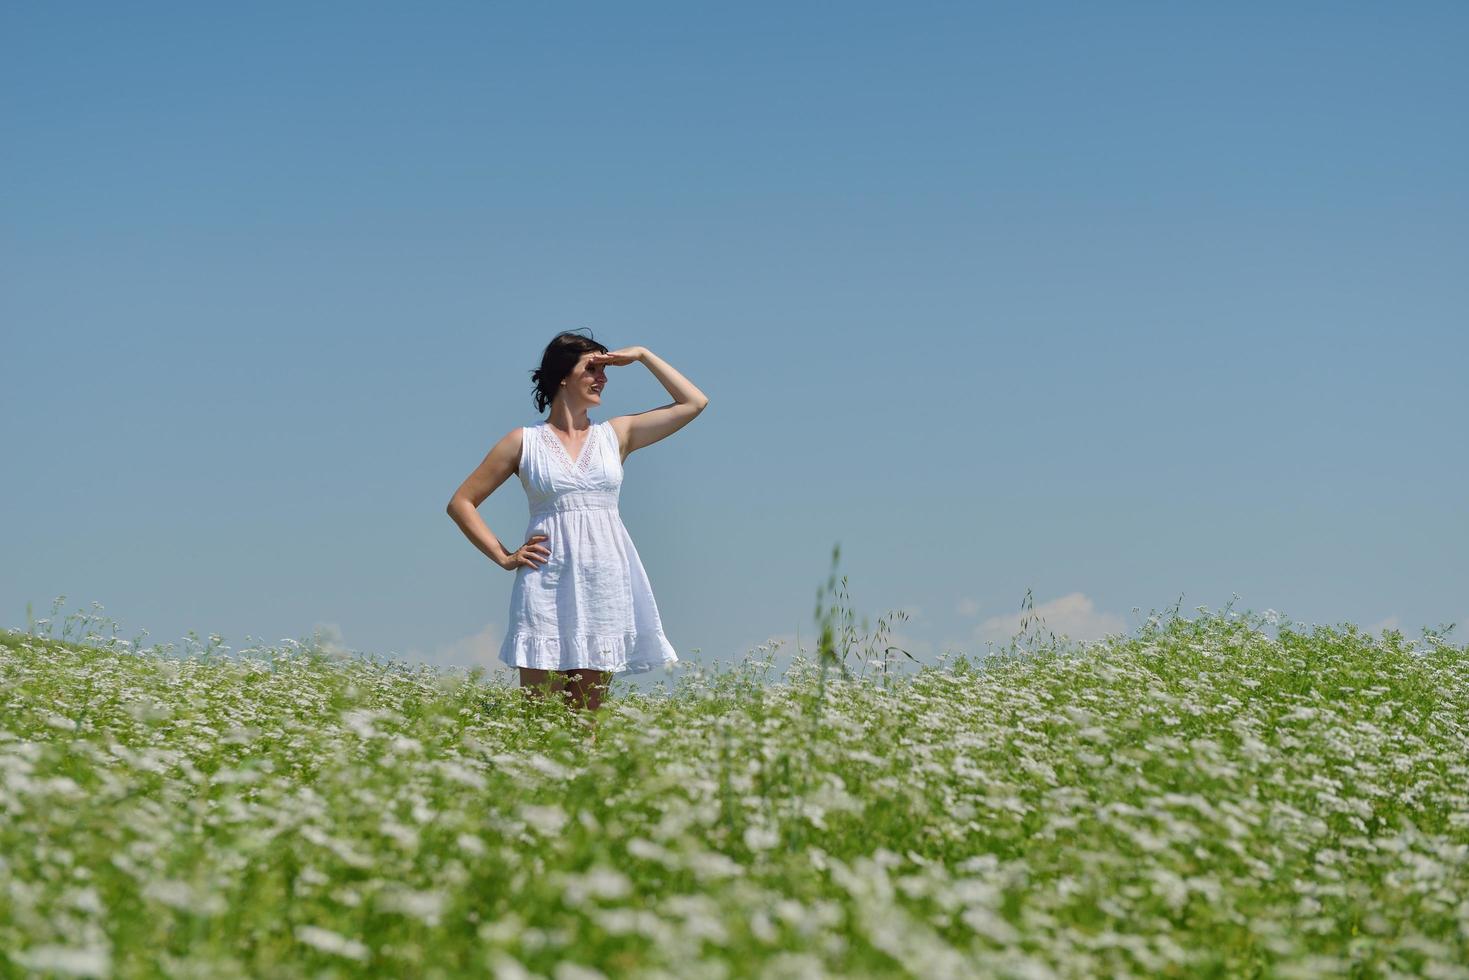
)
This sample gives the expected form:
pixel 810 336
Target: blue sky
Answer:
pixel 1118 303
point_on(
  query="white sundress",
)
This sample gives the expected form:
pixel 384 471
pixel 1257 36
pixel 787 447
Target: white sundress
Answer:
pixel 591 604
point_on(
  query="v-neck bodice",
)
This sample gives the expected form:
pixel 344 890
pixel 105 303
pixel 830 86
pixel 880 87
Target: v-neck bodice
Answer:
pixel 548 472
pixel 586 444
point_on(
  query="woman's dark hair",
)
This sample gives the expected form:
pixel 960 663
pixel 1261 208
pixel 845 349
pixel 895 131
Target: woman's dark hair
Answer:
pixel 561 355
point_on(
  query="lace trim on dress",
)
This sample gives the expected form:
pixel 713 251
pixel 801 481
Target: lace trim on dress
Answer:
pixel 631 652
pixel 586 449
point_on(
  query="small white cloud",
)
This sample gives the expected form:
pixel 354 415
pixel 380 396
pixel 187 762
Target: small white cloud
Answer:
pixel 1390 623
pixel 1073 615
pixel 480 649
pixel 328 636
pixel 967 607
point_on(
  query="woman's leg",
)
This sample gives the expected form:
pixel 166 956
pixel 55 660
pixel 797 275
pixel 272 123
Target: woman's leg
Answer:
pixel 586 688
pixel 540 683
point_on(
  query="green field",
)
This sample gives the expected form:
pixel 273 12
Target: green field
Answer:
pixel 1203 798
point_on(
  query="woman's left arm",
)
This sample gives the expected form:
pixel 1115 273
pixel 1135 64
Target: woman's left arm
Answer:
pixel 681 388
pixel 646 428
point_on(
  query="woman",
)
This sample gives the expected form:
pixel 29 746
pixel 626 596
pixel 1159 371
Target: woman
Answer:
pixel 582 608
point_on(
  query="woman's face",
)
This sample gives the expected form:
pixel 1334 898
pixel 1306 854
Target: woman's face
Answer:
pixel 587 381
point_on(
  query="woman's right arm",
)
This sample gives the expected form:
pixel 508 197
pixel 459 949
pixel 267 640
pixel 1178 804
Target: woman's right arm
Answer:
pixel 463 507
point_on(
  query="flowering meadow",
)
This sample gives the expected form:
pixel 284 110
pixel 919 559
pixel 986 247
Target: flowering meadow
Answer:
pixel 1219 796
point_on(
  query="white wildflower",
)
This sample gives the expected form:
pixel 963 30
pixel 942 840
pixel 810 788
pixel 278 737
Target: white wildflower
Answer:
pixel 760 838
pixel 598 882
pixel 503 966
pixel 711 864
pixel 547 819
pixel 405 745
pixel 566 970
pixel 641 847
pixel 331 942
pixel 68 961
pixel 184 897
pixel 988 923
pixel 60 722
pixel 360 722
pixel 426 906
pixel 458 772
pixel 86 900
pixel 471 844
pixel 547 766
